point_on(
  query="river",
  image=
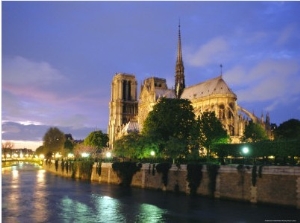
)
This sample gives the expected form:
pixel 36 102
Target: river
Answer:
pixel 31 195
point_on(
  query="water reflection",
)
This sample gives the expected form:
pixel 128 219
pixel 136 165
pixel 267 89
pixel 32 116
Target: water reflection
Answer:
pixel 151 213
pixel 33 195
pixel 39 197
pixel 107 207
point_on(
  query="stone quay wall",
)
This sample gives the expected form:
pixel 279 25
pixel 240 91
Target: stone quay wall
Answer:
pixel 278 185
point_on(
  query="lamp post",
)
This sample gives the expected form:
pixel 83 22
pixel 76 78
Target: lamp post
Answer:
pixel 152 153
pixel 245 151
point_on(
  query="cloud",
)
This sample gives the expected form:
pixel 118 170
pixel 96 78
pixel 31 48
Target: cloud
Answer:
pixel 19 71
pixel 273 81
pixel 35 92
pixel 208 53
pixel 12 131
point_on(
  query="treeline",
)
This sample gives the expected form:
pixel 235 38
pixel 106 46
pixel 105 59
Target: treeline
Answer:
pixel 283 148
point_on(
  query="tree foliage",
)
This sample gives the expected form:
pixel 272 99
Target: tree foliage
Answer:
pixel 288 130
pixel 96 139
pixel 260 149
pixel 53 140
pixel 7 145
pixel 171 121
pixel 134 146
pixel 211 131
pixel 40 150
pixel 254 132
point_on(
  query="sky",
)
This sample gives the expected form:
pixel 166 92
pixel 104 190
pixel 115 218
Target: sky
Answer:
pixel 59 58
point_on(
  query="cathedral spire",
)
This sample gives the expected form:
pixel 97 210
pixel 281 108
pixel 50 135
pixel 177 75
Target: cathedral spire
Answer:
pixel 179 69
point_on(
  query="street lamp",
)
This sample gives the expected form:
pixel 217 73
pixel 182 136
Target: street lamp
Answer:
pixel 84 155
pixel 108 155
pixel 152 153
pixel 245 151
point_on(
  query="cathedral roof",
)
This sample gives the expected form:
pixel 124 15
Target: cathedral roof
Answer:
pixel 210 87
pixel 166 93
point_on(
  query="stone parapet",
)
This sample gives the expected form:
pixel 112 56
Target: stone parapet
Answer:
pixel 278 185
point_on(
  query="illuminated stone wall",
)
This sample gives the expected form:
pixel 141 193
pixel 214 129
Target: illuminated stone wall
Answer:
pixel 278 185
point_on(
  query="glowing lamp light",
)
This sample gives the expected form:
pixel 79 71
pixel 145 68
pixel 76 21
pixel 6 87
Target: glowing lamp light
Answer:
pixel 57 155
pixel 245 150
pixel 152 153
pixel 70 155
pixel 85 155
pixel 108 154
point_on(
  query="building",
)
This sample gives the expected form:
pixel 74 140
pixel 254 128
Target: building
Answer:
pixel 127 114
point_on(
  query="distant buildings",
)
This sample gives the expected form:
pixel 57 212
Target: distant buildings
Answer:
pixel 127 113
pixel 16 153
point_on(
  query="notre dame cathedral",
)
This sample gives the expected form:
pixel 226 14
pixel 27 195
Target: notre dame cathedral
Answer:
pixel 127 113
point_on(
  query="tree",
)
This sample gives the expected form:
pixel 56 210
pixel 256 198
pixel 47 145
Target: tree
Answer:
pixel 96 139
pixel 7 145
pixel 40 150
pixel 171 120
pixel 211 131
pixel 254 132
pixel 69 144
pixel 134 146
pixel 53 141
pixel 288 130
pixel 7 148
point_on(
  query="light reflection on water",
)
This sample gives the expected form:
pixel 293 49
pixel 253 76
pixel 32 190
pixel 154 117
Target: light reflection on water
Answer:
pixel 29 194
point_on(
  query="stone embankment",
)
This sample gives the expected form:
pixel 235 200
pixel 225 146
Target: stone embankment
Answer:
pixel 279 185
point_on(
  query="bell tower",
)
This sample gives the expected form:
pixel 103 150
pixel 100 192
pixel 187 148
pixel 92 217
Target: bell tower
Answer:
pixel 179 69
pixel 123 106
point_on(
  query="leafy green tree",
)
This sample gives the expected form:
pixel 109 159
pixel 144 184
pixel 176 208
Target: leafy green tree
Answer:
pixel 40 150
pixel 175 148
pixel 254 132
pixel 68 146
pixel 53 141
pixel 96 139
pixel 171 120
pixel 134 146
pixel 288 130
pixel 211 131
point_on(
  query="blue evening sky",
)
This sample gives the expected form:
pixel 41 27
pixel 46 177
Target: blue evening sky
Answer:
pixel 59 58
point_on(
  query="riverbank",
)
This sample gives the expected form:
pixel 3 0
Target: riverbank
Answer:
pixel 277 185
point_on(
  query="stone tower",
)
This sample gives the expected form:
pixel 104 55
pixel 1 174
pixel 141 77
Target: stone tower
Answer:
pixel 123 106
pixel 179 69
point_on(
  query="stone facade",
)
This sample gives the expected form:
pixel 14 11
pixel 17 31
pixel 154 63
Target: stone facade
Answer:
pixel 123 106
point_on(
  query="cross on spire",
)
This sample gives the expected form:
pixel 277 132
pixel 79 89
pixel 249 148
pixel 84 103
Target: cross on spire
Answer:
pixel 221 66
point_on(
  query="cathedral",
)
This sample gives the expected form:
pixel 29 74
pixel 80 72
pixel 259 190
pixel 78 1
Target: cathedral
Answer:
pixel 127 112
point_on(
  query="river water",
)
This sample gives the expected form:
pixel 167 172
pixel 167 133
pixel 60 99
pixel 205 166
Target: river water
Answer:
pixel 30 195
